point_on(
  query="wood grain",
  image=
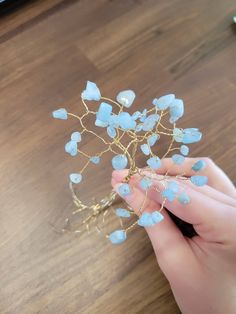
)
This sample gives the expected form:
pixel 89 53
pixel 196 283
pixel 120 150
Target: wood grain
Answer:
pixel 48 50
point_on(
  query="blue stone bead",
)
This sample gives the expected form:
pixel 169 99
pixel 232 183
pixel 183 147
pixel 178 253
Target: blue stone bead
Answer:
pixel 139 128
pixel 121 212
pixel 126 98
pixel 124 189
pixel 157 217
pixel 101 124
pixel 103 115
pixel 143 115
pixel 76 136
pixel 75 178
pixel 154 162
pixel 145 149
pixel 114 121
pixel 178 159
pixel 91 92
pixel 169 194
pixel 71 148
pixel 152 139
pixel 145 183
pixel 150 122
pixel 184 150
pixel 95 159
pixel 183 198
pixel 60 114
pixel 199 165
pixel 117 237
pixel 164 101
pixel 126 122
pixel 145 220
pixel 199 180
pixel 191 135
pixel 178 135
pixel 119 162
pixel 173 186
pixel 136 115
pixel 176 110
pixel 111 132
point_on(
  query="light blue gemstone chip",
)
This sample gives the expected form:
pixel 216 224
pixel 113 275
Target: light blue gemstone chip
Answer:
pixel 126 98
pixel 122 212
pixel 145 183
pixel 183 198
pixel 117 237
pixel 71 148
pixel 95 159
pixel 75 178
pixel 163 102
pixel 60 114
pixel 111 131
pixel 119 162
pixel 178 159
pixel 91 92
pixel 199 165
pixel 168 194
pixel 199 180
pixel 103 115
pixel 176 110
pixel 150 219
pixel 150 122
pixel 145 149
pixel 154 162
pixel 126 122
pixel 152 139
pixel 173 186
pixel 76 136
pixel 184 150
pixel 124 189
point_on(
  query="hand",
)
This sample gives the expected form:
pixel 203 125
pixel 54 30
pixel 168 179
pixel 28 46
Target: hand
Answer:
pixel 202 270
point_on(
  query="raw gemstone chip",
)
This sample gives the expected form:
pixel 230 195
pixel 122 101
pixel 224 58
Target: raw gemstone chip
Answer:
pixel 126 98
pixel 60 114
pixel 117 237
pixel 184 150
pixel 121 212
pixel 163 102
pixel 183 198
pixel 145 149
pixel 75 178
pixel 76 136
pixel 169 194
pixel 178 159
pixel 152 139
pixel 91 92
pixel 150 219
pixel 126 122
pixel 71 148
pixel 145 183
pixel 124 189
pixel 199 180
pixel 95 159
pixel 103 115
pixel 119 162
pixel 154 162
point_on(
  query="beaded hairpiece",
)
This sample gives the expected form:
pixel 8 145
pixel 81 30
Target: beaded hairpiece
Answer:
pixel 139 130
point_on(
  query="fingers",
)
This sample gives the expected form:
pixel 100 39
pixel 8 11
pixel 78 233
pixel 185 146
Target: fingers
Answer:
pixel 168 242
pixel 216 177
pixel 208 210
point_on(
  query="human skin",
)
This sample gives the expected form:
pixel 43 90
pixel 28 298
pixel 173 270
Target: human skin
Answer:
pixel 201 270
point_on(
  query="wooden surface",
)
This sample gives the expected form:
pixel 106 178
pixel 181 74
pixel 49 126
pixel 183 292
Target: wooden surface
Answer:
pixel 49 49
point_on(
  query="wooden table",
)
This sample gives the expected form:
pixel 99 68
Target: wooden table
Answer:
pixel 49 48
